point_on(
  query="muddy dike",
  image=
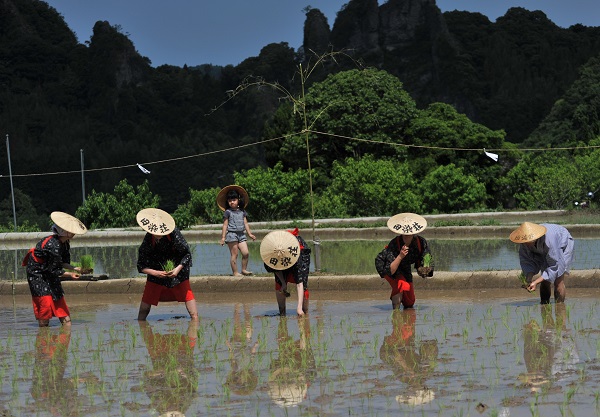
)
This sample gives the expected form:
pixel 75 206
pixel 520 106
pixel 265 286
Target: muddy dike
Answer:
pixel 471 280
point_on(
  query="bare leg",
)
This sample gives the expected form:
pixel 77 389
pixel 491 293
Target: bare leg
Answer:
pixel 305 305
pixel 43 323
pixel 233 249
pixel 560 291
pixel 545 292
pixel 144 311
pixel 300 291
pixel 280 302
pixel 65 321
pixel 396 301
pixel 245 257
pixel 192 309
pixel 282 282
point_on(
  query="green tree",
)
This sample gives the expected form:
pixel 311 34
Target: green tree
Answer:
pixel 447 189
pixel 365 104
pixel 369 187
pixel 276 194
pixel 102 210
pixel 546 181
pixel 201 208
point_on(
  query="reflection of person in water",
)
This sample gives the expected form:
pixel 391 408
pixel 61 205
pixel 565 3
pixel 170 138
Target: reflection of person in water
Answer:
pixel 410 366
pixel 49 388
pixel 549 351
pixel 242 379
pixel 172 383
pixel 294 368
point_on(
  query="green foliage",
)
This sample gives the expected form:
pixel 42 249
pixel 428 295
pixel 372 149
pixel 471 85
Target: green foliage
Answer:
pixel 276 194
pixel 119 209
pixel 201 208
pixel 26 213
pixel 23 227
pixel 548 181
pixel 447 189
pixel 370 187
pixel 366 104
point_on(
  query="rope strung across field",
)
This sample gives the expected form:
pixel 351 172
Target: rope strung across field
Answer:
pixel 349 138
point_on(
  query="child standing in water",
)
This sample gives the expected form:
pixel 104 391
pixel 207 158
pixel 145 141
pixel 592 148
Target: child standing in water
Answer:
pixel 233 199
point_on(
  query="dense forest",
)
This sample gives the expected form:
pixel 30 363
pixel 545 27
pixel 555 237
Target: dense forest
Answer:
pixel 384 93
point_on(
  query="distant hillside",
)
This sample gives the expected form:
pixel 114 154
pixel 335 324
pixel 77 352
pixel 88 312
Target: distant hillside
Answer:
pixel 58 96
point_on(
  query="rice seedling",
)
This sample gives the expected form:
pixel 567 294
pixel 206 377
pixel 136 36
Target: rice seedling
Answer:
pixel 168 266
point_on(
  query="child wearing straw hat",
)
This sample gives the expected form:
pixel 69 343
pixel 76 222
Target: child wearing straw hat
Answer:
pixel 286 254
pixel 232 200
pixel 163 243
pixel 46 264
pixel 546 249
pixel 394 262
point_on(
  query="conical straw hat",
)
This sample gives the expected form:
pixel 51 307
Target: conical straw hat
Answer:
pixel 69 223
pixel 407 223
pixel 155 221
pixel 280 250
pixel 222 196
pixel 527 232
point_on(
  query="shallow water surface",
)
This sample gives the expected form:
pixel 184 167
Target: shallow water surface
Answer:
pixel 455 354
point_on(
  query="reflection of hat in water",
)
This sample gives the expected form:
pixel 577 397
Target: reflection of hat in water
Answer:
pixel 407 224
pixel 222 196
pixel 242 381
pixel 69 223
pixel 287 388
pixel 419 397
pixel 172 414
pixel 280 250
pixel 155 221
pixel 527 232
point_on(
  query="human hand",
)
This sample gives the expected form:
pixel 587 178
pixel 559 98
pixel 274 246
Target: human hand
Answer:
pixel 403 252
pixel 531 287
pixel 74 275
pixel 222 241
pixel 252 236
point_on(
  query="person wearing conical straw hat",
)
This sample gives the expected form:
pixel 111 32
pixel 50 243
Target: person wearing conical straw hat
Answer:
pixel 47 264
pixel 232 200
pixel 164 244
pixel 394 262
pixel 546 249
pixel 286 254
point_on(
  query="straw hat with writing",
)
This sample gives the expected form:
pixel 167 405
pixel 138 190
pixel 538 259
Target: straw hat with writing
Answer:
pixel 222 196
pixel 155 221
pixel 527 232
pixel 280 250
pixel 69 223
pixel 407 224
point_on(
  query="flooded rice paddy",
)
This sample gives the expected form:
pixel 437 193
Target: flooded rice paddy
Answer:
pixel 479 353
pixel 351 257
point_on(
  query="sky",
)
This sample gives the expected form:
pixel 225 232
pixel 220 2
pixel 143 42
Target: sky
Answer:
pixel 224 32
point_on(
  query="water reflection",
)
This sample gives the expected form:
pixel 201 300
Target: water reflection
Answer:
pixel 549 349
pixel 50 389
pixel 242 378
pixel 411 364
pixel 172 383
pixel 293 370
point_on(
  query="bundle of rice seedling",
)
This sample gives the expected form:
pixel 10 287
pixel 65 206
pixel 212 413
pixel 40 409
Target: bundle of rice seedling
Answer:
pixel 168 266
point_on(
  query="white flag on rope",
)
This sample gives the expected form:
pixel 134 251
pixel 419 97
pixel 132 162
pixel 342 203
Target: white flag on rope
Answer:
pixel 494 156
pixel 144 170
